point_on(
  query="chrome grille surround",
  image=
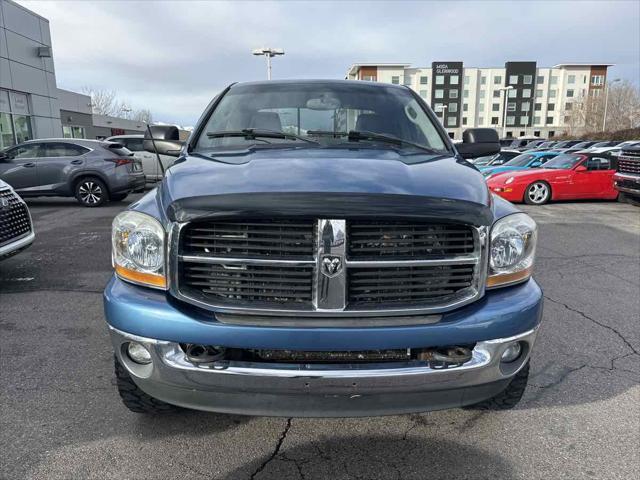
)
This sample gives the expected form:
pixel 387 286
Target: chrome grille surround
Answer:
pixel 15 218
pixel 330 295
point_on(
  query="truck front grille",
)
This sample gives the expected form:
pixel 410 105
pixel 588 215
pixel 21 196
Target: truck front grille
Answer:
pixel 14 218
pixel 281 266
pixel 250 283
pixel 380 286
pixel 254 238
pixel 629 162
pixel 407 240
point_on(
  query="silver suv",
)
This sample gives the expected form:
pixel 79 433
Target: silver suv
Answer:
pixel 92 171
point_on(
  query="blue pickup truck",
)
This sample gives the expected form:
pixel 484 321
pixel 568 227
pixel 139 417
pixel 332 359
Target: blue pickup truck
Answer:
pixel 321 248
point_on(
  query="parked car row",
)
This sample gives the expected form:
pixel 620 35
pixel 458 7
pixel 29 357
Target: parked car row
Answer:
pixel 92 171
pixel 564 171
pixel 529 144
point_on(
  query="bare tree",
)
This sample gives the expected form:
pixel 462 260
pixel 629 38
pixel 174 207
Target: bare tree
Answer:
pixel 142 115
pixel 623 110
pixel 106 102
pixel 585 114
pixel 103 101
pixel 623 107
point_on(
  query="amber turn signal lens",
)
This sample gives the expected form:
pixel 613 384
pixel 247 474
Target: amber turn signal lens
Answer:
pixel 507 278
pixel 151 279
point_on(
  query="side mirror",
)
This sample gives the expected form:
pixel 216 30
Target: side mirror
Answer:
pixel 478 142
pixel 536 164
pixel 581 168
pixel 166 140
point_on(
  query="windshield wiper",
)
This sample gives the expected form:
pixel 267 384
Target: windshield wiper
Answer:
pixel 356 135
pixel 254 133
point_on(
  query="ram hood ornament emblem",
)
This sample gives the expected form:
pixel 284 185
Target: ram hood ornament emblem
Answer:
pixel 331 265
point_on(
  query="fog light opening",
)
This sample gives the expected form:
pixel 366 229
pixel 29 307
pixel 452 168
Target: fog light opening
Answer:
pixel 512 352
pixel 197 353
pixel 138 353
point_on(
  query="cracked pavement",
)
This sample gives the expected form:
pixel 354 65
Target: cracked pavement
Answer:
pixel 61 417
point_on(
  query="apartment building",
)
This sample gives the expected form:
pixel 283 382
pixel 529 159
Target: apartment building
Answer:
pixel 519 99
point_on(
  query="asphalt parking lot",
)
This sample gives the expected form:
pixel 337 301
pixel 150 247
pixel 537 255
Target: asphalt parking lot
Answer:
pixel 61 417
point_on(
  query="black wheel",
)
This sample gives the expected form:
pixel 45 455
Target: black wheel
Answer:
pixel 92 192
pixel 118 197
pixel 537 193
pixel 509 397
pixel 135 399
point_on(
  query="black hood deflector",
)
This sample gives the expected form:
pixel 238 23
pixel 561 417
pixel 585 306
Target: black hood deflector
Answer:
pixel 328 205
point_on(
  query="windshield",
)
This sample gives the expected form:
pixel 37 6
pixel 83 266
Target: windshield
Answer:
pixel 520 160
pixel 500 159
pixel 318 114
pixel 481 161
pixel 565 161
pixel 582 145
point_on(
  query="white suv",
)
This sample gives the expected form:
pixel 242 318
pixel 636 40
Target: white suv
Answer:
pixel 152 171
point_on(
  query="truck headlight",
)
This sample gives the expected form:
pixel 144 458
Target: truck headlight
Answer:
pixel 138 241
pixel 512 250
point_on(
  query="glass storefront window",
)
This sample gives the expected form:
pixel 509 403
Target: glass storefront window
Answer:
pixel 69 131
pixel 78 132
pixel 15 119
pixel 19 103
pixel 6 131
pixel 22 127
pixel 4 101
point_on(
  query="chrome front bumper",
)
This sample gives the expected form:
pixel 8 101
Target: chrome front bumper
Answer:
pixel 17 245
pixel 627 183
pixel 319 390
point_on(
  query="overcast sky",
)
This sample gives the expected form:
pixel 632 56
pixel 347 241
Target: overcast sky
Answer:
pixel 172 57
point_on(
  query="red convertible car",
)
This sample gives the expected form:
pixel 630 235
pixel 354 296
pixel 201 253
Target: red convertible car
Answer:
pixel 567 177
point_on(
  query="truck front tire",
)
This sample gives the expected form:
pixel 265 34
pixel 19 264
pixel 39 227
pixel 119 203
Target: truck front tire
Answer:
pixel 135 399
pixel 509 397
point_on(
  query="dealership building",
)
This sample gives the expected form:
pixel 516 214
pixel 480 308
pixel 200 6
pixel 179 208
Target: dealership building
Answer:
pixel 31 105
pixel 519 99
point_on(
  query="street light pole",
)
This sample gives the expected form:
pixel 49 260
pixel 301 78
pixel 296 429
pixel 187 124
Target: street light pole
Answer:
pixel 269 53
pixel 443 109
pixel 504 109
pixel 606 102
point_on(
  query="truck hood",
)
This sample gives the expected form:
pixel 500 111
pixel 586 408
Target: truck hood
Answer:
pixel 326 181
